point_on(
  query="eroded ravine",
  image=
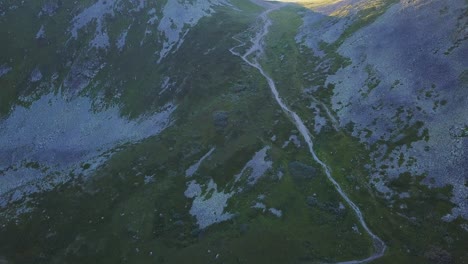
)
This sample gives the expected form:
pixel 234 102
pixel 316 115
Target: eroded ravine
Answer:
pixel 250 57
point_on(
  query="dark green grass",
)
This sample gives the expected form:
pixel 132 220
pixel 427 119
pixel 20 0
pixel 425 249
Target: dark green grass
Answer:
pixel 411 232
pixel 116 212
pixel 114 217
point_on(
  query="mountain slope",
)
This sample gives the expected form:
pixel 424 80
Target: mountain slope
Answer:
pixel 134 131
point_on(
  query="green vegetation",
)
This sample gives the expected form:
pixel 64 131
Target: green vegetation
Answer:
pixel 372 81
pixel 401 222
pixel 116 211
pixel 133 209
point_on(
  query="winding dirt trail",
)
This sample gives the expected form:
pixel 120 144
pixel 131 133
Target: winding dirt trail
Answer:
pixel 250 57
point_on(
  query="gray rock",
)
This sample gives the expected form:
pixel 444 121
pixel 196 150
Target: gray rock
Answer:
pixel 276 212
pixel 81 74
pixel 410 94
pixel 311 201
pixel 220 120
pixel 300 171
pixel 50 8
pixel 4 69
pixel 36 75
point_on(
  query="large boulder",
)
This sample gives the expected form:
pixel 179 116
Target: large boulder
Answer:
pixel 220 120
pixel 301 171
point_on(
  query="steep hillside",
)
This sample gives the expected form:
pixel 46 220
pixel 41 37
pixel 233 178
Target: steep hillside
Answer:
pixel 233 131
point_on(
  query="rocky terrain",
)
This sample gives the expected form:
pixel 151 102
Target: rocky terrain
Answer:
pixel 233 131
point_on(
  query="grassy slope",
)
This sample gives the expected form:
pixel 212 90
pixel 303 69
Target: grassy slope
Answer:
pixel 117 217
pixel 117 212
pixel 408 240
pixel 132 72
